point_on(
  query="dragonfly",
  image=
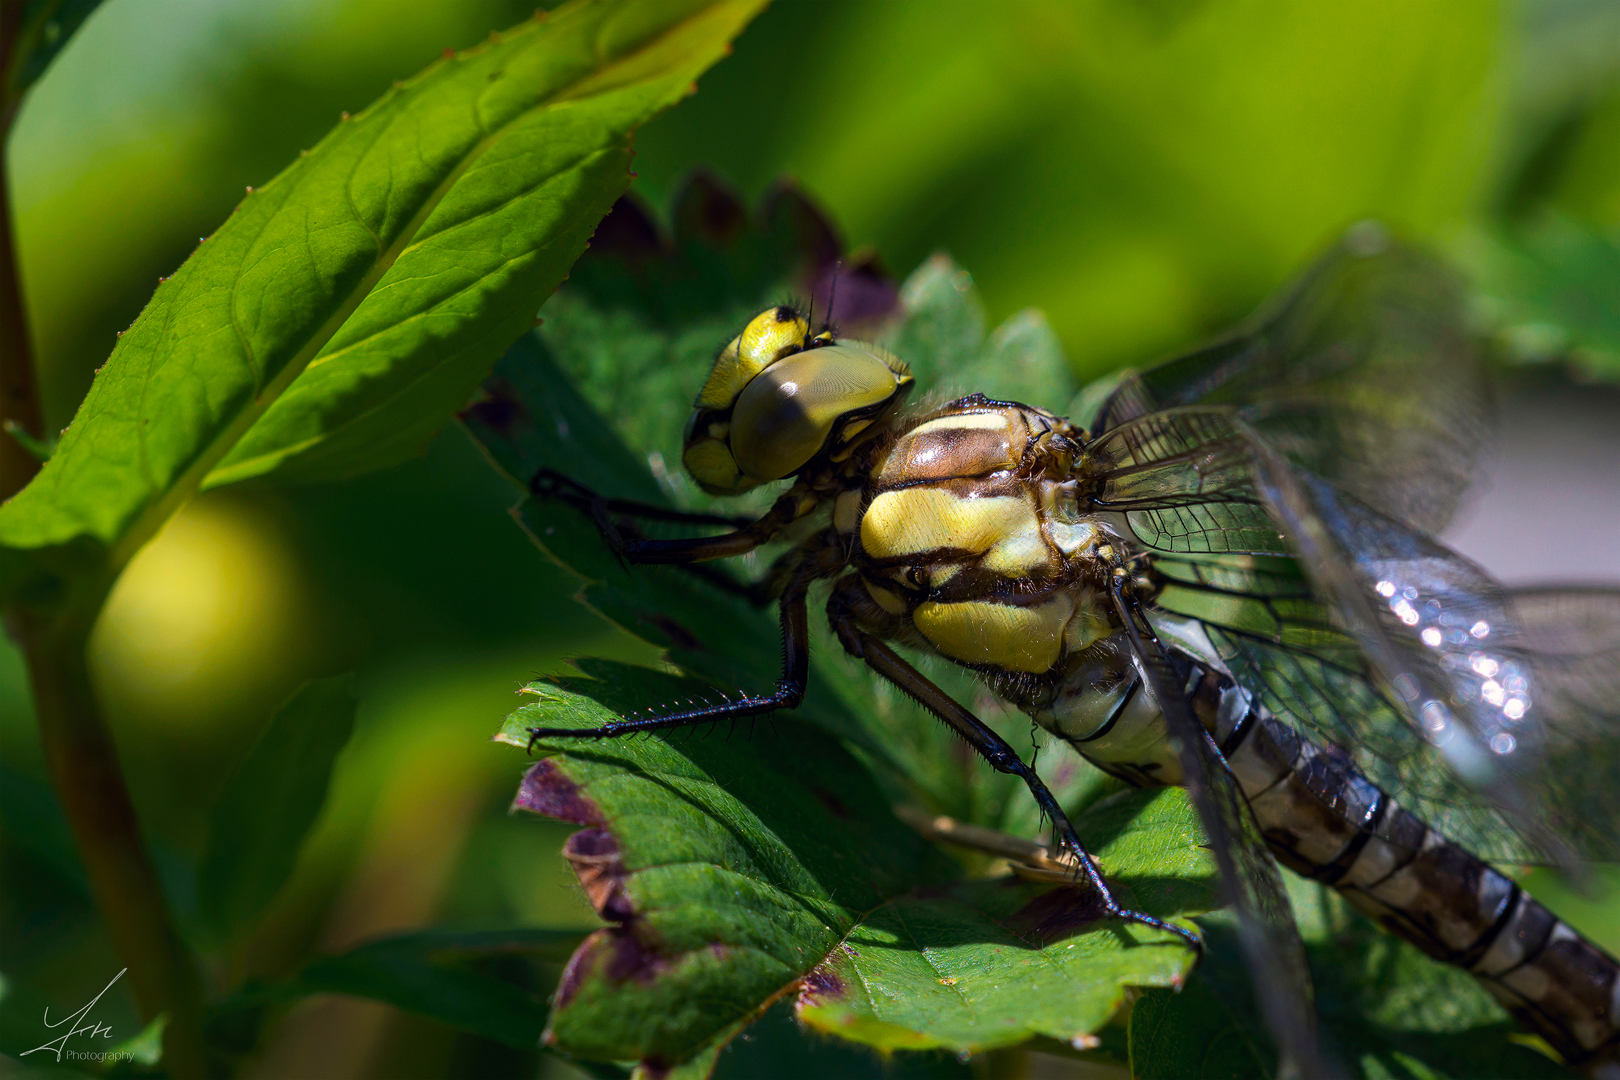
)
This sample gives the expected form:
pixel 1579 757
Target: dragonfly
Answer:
pixel 1226 579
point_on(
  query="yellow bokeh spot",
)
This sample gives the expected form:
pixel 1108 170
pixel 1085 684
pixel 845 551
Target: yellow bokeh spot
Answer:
pixel 206 614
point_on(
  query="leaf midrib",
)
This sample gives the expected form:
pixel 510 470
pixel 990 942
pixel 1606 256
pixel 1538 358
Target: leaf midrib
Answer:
pixel 190 479
pixel 250 466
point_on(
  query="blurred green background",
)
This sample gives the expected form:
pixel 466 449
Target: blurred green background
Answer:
pixel 1144 172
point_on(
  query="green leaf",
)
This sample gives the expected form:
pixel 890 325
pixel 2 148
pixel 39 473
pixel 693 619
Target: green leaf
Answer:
pixel 259 823
pixel 701 1065
pixel 944 327
pixel 1195 1032
pixel 1024 361
pixel 735 869
pixel 473 980
pixel 984 964
pixel 43 29
pixel 146 1046
pixel 433 973
pixel 943 339
pixel 778 1047
pixel 731 867
pixel 348 307
pixel 1550 290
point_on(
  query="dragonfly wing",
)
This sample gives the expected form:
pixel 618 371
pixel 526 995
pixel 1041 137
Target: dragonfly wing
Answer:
pixel 1580 623
pixel 1184 479
pixel 1452 645
pixel 1364 373
pixel 1471 703
pixel 1575 633
pixel 1271 634
pixel 1272 949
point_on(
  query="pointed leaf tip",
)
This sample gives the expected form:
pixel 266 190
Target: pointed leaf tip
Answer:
pixel 347 309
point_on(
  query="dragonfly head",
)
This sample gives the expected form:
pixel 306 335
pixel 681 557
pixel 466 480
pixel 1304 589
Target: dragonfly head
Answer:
pixel 779 396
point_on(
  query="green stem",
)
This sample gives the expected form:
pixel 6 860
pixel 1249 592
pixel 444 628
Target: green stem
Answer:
pixel 79 750
pixel 85 772
pixel 19 394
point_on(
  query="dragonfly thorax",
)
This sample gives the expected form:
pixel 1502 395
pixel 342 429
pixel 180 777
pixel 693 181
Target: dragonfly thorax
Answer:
pixel 968 540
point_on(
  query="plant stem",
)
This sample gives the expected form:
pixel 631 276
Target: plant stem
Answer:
pixel 19 395
pixel 89 783
pixel 79 751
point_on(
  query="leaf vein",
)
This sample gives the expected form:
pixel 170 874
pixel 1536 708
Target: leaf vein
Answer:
pixel 184 472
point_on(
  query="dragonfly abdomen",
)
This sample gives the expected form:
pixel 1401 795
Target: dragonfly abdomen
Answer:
pixel 1324 820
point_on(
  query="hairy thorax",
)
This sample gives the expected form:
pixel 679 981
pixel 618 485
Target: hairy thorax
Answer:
pixel 965 534
pixel 968 542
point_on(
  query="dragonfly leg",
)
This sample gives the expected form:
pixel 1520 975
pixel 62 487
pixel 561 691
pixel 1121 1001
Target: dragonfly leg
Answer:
pixel 551 484
pixel 787 695
pixel 745 535
pixel 1002 757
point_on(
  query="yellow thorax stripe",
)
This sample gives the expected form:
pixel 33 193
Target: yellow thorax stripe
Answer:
pixel 923 519
pixel 916 521
pixel 984 632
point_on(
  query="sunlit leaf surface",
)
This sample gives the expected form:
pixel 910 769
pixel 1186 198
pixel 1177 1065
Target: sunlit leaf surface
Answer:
pixel 348 307
pixel 732 869
pixel 994 963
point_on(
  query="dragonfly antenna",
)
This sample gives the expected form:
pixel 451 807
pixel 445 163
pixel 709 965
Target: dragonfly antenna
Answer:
pixel 832 293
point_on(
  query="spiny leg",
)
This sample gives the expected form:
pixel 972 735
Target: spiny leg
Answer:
pixel 789 688
pixel 745 535
pixel 551 484
pixel 1002 757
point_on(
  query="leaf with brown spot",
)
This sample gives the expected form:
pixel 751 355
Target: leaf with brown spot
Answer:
pixel 734 872
pixel 725 872
pixel 984 964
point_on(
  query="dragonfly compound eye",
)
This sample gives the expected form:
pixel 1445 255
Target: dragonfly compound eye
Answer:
pixel 773 334
pixel 787 414
pixel 761 421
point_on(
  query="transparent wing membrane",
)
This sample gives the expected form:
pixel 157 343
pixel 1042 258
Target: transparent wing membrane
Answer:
pixel 1364 375
pixel 1184 481
pixel 1340 430
pixel 1279 643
